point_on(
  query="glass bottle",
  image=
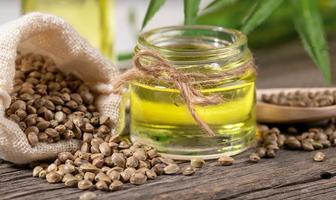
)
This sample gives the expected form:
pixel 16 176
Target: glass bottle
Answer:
pixel 159 116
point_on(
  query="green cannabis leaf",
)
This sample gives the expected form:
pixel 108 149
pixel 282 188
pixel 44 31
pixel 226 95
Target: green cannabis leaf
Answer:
pixel 217 5
pixel 309 26
pixel 153 7
pixel 263 10
pixel 305 15
pixel 190 11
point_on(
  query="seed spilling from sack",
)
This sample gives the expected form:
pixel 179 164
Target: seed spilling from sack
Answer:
pixel 96 169
pixel 302 99
pixel 106 162
pixel 49 105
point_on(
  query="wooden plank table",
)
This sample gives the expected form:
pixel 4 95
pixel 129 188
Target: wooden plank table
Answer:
pixel 291 175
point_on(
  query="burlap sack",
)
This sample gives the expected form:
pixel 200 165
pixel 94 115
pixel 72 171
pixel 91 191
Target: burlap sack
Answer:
pixel 51 36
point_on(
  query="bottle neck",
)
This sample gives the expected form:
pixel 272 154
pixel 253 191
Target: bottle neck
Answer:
pixel 187 46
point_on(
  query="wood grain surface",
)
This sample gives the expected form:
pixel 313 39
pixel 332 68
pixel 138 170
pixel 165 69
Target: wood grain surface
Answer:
pixel 291 175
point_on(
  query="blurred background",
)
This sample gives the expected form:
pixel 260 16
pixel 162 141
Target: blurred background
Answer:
pixel 123 17
pixel 113 25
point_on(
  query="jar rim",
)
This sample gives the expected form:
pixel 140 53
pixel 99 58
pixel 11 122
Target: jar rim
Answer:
pixel 238 39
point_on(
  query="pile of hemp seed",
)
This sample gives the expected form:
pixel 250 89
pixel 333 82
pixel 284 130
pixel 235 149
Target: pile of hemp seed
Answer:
pixel 299 136
pixel 289 137
pixel 50 106
pixel 302 98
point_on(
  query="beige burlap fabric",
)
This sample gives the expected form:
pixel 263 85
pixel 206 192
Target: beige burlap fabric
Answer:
pixel 51 36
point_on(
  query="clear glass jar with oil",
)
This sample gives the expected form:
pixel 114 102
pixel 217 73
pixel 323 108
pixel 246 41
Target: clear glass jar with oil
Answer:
pixel 159 116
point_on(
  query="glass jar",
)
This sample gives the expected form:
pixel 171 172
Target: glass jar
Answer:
pixel 159 116
pixel 91 18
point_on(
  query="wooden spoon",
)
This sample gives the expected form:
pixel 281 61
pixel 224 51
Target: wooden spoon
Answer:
pixel 270 113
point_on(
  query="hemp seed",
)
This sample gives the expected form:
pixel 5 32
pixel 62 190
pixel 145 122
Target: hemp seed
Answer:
pixel 319 157
pixel 225 160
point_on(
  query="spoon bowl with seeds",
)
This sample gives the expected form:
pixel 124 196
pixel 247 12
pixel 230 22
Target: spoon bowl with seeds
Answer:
pixel 295 105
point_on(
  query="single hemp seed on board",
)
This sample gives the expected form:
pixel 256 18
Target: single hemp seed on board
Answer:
pixel 87 196
pixel 225 160
pixel 197 162
pixel 319 157
pixel 188 170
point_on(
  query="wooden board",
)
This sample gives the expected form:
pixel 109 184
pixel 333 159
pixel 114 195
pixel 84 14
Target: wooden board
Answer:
pixel 292 175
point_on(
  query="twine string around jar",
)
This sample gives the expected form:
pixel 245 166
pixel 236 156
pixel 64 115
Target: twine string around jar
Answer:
pixel 160 69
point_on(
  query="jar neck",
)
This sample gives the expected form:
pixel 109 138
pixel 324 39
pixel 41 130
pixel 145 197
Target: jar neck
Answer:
pixel 197 45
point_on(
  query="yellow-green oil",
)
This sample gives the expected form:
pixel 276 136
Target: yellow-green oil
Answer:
pixel 160 118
